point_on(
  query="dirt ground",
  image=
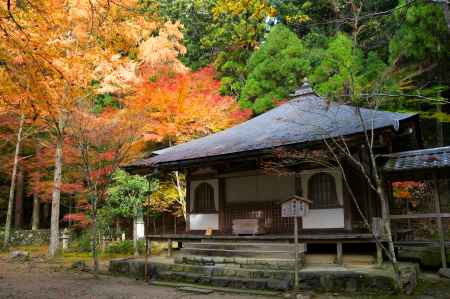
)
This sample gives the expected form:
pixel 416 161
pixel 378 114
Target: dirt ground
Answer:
pixel 40 279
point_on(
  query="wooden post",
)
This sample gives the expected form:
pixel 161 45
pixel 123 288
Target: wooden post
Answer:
pixel 146 259
pixel 339 257
pixel 169 248
pixel 439 220
pixel 175 224
pixel 296 253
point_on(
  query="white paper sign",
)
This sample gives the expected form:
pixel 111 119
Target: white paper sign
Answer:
pixel 294 208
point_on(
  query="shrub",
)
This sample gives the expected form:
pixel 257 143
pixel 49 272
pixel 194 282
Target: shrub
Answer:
pixel 124 247
pixel 83 243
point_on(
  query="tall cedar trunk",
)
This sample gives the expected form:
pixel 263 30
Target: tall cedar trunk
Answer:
pixel 45 213
pixel 446 12
pixel 35 218
pixel 18 215
pixel 56 194
pixel 13 182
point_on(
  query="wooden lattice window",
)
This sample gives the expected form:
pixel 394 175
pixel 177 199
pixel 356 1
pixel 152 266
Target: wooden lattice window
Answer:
pixel 204 199
pixel 322 191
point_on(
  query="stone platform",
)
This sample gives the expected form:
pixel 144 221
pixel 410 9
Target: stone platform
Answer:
pixel 329 278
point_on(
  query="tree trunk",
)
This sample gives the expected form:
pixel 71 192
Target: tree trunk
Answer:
pixel 386 218
pixel 118 229
pixel 135 236
pixel 446 12
pixel 13 182
pixel 181 195
pixel 54 222
pixel 35 220
pixel 18 216
pixel 45 214
pixel 94 234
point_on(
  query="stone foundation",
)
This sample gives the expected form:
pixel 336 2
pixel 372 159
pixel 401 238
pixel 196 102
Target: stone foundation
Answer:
pixel 426 256
pixel 328 279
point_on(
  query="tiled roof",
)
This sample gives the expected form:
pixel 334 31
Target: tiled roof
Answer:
pixel 438 157
pixel 305 118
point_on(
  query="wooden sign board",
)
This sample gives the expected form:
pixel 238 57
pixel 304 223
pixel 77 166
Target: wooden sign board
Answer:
pixel 295 207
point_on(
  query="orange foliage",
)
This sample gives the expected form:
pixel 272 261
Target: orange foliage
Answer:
pixel 183 106
pixel 405 191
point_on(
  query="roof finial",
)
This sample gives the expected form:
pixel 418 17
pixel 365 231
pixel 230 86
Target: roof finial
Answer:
pixel 304 90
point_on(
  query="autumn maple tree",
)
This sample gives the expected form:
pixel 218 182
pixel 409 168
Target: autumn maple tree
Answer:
pixel 66 45
pixel 176 107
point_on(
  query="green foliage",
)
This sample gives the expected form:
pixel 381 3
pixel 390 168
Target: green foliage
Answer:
pixel 231 68
pixel 237 28
pixel 275 70
pixel 127 193
pixel 422 35
pixel 105 218
pixel 195 15
pixel 103 101
pixel 84 242
pixel 346 73
pixel 124 247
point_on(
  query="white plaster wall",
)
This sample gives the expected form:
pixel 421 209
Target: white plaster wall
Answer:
pixel 324 218
pixel 204 221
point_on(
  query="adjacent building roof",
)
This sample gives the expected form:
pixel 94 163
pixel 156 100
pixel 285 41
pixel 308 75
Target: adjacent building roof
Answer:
pixel 305 118
pixel 432 158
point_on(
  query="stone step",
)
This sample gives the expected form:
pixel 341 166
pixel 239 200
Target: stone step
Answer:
pixel 366 280
pixel 284 247
pixel 330 259
pixel 223 270
pixel 239 262
pixel 226 281
pixel 237 253
pixel 243 241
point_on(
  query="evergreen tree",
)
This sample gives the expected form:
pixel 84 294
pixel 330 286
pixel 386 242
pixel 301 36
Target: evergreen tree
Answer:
pixel 344 67
pixel 275 70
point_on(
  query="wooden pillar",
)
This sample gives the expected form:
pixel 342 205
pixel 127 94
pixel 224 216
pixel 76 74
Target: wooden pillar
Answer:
pixel 188 202
pixel 146 259
pixel 296 253
pixel 169 248
pixel 339 256
pixel 437 203
pixel 221 206
pixel 175 224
